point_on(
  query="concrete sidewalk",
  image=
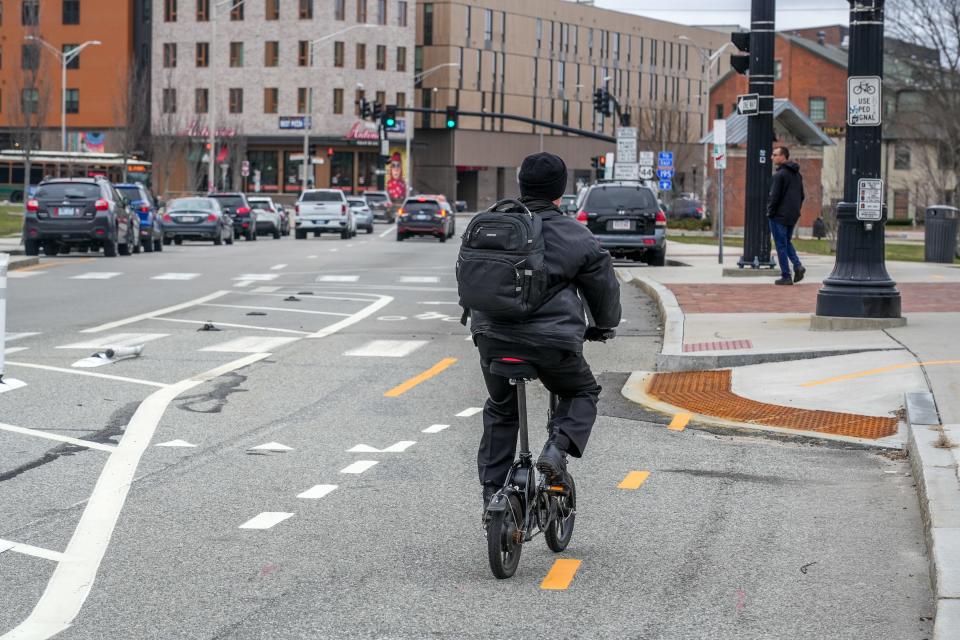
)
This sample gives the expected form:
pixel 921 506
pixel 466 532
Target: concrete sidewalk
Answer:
pixel 12 245
pixel 738 352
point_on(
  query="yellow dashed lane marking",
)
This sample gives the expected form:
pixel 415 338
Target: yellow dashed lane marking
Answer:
pixel 426 375
pixel 873 372
pixel 634 480
pixel 561 575
pixel 679 422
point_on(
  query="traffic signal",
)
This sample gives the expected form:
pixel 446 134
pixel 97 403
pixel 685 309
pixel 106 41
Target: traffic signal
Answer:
pixel 598 100
pixel 625 119
pixel 365 108
pixel 312 150
pixel 452 117
pixel 390 115
pixel 741 61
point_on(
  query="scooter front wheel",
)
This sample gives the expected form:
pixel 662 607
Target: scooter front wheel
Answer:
pixel 560 529
pixel 505 538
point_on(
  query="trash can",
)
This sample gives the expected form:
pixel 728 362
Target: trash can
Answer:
pixel 940 233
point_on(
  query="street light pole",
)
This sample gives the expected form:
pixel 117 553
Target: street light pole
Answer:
pixel 408 122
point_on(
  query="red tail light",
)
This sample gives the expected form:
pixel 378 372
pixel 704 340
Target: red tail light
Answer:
pixel 443 213
pixel 167 218
pixel 212 217
pixel 296 208
pixel 101 205
pixel 144 208
pixel 246 224
pixel 582 217
pixel 33 206
pixel 661 219
pixel 243 211
pixel 343 209
pixel 400 212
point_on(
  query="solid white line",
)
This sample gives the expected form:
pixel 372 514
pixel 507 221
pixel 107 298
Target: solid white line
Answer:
pixel 17 336
pixel 372 297
pixel 435 428
pixel 115 340
pixel 52 436
pixel 266 520
pixel 278 267
pixel 386 348
pixel 30 550
pixel 388 231
pixel 90 374
pixel 355 318
pixel 11 384
pixel 317 491
pixel 466 413
pixel 152 314
pixel 250 344
pixel 238 326
pixel 71 582
pixel 359 466
pixel 10 350
pixel 25 274
pixel 240 306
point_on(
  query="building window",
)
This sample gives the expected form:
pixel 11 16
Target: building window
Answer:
pixel 818 109
pixel 338 54
pixel 169 100
pixel 301 99
pixel 29 101
pixel 338 101
pixel 271 53
pixel 719 113
pixel 273 10
pixel 361 56
pixel 30 12
pixel 361 11
pixel 306 9
pixel 203 10
pixel 303 53
pixel 653 52
pixel 29 57
pixel 402 13
pixel 71 11
pixel 75 61
pixel 428 24
pixel 271 96
pixel 901 157
pixel 72 98
pixel 381 11
pixel 236 100
pixel 381 57
pixel 236 54
pixel 777 69
pixel 401 99
pixel 401 58
pixel 380 98
pixel 201 100
pixel 340 10
pixel 358 96
pixel 236 13
pixel 203 54
pixel 488 25
pixel 169 54
pixel 540 32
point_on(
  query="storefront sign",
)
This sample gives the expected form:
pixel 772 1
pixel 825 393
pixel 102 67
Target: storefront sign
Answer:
pixel 197 131
pixel 363 130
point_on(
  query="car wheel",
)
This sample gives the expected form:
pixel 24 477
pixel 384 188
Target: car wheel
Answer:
pixel 167 241
pixel 50 248
pixel 370 229
pixel 178 241
pixel 218 239
pixel 147 245
pixel 250 235
pixel 123 249
pixel 300 235
pixel 158 245
pixel 345 234
pixel 31 247
pixel 229 238
pixel 276 233
pixel 109 248
pixel 657 258
pixel 400 237
pixel 135 245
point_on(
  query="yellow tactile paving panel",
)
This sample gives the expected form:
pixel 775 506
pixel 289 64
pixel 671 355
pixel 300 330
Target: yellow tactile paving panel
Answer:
pixel 708 393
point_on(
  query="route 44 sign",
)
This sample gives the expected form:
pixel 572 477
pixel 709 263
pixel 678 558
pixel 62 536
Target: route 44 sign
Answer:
pixel 748 104
pixel 863 101
pixel 646 173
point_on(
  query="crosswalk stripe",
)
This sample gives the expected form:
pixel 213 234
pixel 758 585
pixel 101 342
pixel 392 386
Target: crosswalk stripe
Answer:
pixel 359 466
pixel 387 348
pixel 337 278
pixel 97 275
pixel 466 413
pixel 176 276
pixel 266 520
pixel 250 344
pixel 317 491
pixel 116 340
pixel 435 428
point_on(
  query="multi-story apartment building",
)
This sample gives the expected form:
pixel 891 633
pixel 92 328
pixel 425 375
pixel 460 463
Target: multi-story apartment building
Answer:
pixel 543 59
pixel 249 65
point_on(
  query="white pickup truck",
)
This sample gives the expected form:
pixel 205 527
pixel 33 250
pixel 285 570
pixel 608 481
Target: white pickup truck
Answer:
pixel 324 211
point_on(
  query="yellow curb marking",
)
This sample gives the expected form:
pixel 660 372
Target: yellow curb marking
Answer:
pixel 634 480
pixel 560 575
pixel 872 372
pixel 47 265
pixel 679 422
pixel 414 381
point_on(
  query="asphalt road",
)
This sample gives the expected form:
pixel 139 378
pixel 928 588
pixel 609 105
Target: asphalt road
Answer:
pixel 122 535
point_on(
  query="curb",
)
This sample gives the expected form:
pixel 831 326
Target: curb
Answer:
pixel 670 314
pixel 938 489
pixel 18 262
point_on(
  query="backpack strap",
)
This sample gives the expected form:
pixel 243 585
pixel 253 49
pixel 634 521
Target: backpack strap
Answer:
pixel 466 314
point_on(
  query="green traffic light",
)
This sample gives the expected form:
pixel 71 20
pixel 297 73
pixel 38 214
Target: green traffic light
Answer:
pixel 391 122
pixel 451 124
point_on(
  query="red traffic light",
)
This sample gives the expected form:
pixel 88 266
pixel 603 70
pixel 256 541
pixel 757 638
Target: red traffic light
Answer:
pixel 603 160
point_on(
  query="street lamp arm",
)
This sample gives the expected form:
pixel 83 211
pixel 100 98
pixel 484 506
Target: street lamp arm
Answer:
pixel 423 74
pixel 337 33
pixel 46 44
pixel 73 53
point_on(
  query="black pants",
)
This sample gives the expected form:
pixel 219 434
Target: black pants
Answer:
pixel 565 373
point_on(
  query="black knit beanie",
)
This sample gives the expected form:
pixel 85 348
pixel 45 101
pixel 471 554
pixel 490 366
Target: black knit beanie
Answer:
pixel 542 175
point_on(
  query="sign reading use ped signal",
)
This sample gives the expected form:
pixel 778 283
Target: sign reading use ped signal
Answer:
pixel 863 101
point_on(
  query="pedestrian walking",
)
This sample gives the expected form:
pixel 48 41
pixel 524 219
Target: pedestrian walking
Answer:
pixel 783 212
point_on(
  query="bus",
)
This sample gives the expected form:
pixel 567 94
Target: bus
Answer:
pixel 64 164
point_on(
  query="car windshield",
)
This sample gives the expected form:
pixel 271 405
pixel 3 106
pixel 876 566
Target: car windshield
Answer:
pixel 616 198
pixel 322 196
pixel 259 203
pixel 376 197
pixel 421 207
pixel 190 204
pixel 568 199
pixel 357 202
pixel 130 193
pixel 68 190
pixel 229 201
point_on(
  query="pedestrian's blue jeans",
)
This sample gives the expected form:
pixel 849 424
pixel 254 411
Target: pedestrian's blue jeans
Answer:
pixel 785 251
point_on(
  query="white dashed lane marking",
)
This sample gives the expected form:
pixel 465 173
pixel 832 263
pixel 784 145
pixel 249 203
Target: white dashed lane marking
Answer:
pixel 419 279
pixel 97 275
pixel 24 274
pixel 435 428
pixel 250 344
pixel 359 466
pixel 116 340
pixel 387 348
pixel 257 277
pixel 176 276
pixel 398 447
pixel 266 520
pixel 318 491
pixel 271 446
pixel 18 336
pixel 337 278
pixel 278 267
pixel 466 413
pixel 266 289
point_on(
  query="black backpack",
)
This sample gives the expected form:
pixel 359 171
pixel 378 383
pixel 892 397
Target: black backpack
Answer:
pixel 500 269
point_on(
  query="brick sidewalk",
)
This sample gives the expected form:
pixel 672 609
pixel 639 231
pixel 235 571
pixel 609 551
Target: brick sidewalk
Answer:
pixel 917 297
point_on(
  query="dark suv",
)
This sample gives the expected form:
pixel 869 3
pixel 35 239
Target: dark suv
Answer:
pixel 84 213
pixel 626 219
pixel 243 215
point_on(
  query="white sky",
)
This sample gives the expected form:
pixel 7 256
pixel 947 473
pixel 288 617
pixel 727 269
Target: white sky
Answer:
pixel 791 14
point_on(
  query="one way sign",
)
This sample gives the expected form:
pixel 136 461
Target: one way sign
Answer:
pixel 748 104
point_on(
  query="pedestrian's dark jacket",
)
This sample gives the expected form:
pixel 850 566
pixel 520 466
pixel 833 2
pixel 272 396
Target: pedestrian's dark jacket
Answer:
pixel 572 256
pixel 786 194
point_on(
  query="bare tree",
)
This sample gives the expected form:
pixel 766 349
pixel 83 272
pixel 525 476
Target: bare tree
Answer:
pixel 167 138
pixel 29 103
pixel 128 110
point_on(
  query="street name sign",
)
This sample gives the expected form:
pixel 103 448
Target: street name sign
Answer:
pixel 748 104
pixel 294 122
pixel 863 101
pixel 869 199
pixel 626 171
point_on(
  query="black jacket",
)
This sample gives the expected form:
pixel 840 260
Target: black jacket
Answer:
pixel 786 194
pixel 573 256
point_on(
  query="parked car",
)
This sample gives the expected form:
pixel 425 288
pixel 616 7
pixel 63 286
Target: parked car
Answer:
pixel 361 213
pixel 460 205
pixel 324 211
pixel 568 205
pixel 268 216
pixel 627 220
pixel 382 206
pixel 686 208
pixel 81 213
pixel 143 204
pixel 425 216
pixel 196 218
pixel 241 213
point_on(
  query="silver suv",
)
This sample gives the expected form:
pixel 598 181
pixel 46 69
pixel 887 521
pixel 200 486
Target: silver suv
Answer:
pixel 626 218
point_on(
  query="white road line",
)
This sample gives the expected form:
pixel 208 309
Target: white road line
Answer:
pixel 10 337
pixel 440 302
pixel 175 443
pixel 115 340
pixel 359 466
pixel 11 384
pixel 398 447
pixel 334 250
pixel 372 297
pixel 266 520
pixel 259 277
pixel 388 232
pixel 152 314
pixel 419 279
pixel 53 436
pixel 466 413
pixel 266 289
pixel 435 428
pixel 271 446
pixel 89 374
pixel 244 283
pixel 386 348
pixel 176 276
pixel 278 267
pixel 9 350
pixel 97 275
pixel 238 326
pixel 337 278
pixel 71 581
pixel 240 306
pixel 30 550
pixel 317 491
pixel 366 312
pixel 311 257
pixel 250 344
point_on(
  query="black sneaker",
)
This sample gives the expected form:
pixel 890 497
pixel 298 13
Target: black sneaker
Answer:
pixel 784 280
pixel 552 463
pixel 798 274
pixel 488 492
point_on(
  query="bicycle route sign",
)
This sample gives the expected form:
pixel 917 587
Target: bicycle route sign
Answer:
pixel 863 101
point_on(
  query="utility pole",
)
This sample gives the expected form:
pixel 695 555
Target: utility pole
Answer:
pixel 859 286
